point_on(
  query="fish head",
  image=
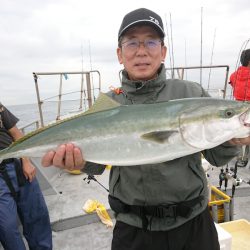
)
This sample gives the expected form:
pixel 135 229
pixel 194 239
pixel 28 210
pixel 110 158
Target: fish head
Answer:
pixel 211 122
pixel 245 118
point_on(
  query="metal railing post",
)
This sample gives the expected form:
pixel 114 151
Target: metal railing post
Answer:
pixel 39 102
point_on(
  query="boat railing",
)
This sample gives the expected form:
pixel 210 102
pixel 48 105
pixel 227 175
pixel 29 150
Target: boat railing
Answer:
pixel 90 85
pixel 29 126
pixel 180 71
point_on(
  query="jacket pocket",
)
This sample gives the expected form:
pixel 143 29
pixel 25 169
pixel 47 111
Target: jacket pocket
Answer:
pixel 114 179
pixel 199 172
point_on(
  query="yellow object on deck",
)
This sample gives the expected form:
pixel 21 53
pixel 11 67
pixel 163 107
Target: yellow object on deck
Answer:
pixel 91 206
pixel 240 231
pixel 76 172
pixel 219 203
pixel 108 167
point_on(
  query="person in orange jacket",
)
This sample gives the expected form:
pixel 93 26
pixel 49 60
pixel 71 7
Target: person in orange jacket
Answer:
pixel 240 79
pixel 240 82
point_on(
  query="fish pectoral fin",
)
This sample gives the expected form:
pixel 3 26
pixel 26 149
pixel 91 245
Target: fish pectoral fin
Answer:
pixel 103 102
pixel 159 136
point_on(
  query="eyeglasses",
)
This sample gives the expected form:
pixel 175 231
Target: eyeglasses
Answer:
pixel 133 45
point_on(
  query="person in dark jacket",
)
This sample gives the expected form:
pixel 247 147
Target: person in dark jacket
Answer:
pixel 20 196
pixel 164 205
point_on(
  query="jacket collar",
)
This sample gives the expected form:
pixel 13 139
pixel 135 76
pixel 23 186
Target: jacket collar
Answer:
pixel 132 88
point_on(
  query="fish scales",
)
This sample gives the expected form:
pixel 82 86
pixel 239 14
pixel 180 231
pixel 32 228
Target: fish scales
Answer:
pixel 143 133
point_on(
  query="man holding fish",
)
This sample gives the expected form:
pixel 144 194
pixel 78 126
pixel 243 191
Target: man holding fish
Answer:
pixel 160 204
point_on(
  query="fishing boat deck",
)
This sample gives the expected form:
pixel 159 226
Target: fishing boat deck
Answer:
pixel 89 233
pixel 74 229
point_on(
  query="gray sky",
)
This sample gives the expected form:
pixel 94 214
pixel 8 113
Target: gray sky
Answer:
pixel 43 35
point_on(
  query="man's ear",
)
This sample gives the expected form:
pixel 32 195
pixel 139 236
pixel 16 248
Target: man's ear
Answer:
pixel 163 53
pixel 119 55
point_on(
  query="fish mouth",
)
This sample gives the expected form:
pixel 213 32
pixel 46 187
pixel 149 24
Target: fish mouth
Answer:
pixel 245 118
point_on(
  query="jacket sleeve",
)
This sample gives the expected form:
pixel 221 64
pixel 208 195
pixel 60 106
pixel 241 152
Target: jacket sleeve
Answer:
pixel 221 154
pixel 232 79
pixel 7 118
pixel 92 168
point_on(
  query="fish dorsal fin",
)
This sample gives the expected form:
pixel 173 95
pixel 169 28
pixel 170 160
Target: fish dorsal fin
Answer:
pixel 159 136
pixel 103 102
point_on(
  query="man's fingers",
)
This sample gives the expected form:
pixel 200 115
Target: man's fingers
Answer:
pixel 33 174
pixel 30 177
pixel 240 141
pixel 244 141
pixel 235 141
pixel 79 161
pixel 59 156
pixel 69 157
pixel 66 156
pixel 47 160
pixel 26 176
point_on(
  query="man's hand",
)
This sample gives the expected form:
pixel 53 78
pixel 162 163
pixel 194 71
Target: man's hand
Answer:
pixel 66 156
pixel 29 170
pixel 240 141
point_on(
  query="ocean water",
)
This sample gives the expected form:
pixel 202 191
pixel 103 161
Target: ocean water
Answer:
pixel 29 113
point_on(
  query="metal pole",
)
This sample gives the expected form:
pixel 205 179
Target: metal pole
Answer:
pixel 227 211
pixel 81 93
pixel 38 100
pixel 89 89
pixel 232 209
pixel 226 79
pixel 59 99
pixel 215 213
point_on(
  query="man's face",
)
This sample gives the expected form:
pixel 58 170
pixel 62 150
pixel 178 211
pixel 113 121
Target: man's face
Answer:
pixel 141 62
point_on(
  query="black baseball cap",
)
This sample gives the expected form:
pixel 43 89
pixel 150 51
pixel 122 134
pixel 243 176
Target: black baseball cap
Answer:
pixel 141 16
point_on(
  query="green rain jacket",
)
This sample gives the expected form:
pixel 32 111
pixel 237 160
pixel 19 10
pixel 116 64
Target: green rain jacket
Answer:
pixel 169 182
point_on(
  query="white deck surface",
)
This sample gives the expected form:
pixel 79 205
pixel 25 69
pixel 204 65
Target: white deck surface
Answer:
pixel 73 229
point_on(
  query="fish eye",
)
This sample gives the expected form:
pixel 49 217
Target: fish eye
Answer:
pixel 229 113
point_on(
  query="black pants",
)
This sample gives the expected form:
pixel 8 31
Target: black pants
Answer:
pixel 197 234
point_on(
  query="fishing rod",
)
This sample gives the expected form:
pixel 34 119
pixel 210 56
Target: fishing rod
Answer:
pixel 169 46
pixel 243 47
pixel 186 58
pixel 92 178
pixel 211 61
pixel 82 91
pixel 201 48
pixel 90 63
pixel 172 43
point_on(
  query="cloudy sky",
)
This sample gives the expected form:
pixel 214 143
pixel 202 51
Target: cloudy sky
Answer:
pixel 68 35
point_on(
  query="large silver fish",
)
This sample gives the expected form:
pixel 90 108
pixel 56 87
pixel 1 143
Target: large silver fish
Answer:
pixel 109 133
